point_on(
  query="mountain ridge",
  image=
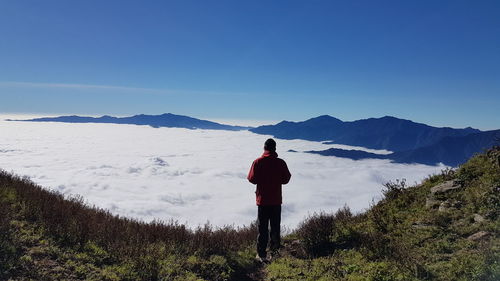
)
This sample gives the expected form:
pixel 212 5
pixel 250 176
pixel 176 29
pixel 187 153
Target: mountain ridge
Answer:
pixel 386 132
pixel 409 141
pixel 163 120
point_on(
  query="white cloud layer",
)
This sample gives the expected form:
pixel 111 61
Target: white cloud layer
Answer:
pixel 192 176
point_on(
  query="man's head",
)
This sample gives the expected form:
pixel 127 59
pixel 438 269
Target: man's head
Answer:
pixel 270 145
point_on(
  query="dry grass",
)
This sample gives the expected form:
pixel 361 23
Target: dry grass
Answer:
pixel 72 223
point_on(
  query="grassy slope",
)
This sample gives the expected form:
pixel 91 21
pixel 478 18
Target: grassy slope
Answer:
pixel 399 238
pixel 44 236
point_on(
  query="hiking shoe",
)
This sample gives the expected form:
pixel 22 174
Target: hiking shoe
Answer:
pixel 274 255
pixel 260 259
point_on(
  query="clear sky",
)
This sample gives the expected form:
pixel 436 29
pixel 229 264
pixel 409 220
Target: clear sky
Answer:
pixel 436 62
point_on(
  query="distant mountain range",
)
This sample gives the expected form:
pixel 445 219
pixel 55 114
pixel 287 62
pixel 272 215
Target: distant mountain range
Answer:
pixel 389 133
pixel 164 120
pixel 410 142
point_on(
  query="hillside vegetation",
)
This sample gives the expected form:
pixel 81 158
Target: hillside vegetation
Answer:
pixel 44 236
pixel 446 228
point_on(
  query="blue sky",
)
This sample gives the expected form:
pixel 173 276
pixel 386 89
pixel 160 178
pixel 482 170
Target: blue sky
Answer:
pixel 436 62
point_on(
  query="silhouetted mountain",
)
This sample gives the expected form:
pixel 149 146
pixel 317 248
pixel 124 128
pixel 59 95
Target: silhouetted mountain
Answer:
pixel 164 120
pixel 451 151
pixel 349 153
pixel 378 133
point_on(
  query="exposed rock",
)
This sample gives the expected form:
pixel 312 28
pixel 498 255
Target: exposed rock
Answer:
pixel 431 203
pixel 479 236
pixel 445 187
pixel 448 205
pixel 460 223
pixel 421 225
pixel 38 251
pixel 435 201
pixel 444 206
pixel 478 218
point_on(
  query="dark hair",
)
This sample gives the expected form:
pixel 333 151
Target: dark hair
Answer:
pixel 270 145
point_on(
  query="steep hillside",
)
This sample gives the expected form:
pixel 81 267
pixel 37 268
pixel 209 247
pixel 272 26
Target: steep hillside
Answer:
pixel 44 236
pixel 446 228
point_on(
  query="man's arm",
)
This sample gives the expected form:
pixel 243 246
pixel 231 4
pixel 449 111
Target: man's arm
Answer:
pixel 286 174
pixel 252 177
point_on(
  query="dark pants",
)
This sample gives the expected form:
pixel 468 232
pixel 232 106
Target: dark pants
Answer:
pixel 266 215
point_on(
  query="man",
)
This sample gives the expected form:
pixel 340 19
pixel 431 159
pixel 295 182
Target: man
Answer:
pixel 268 172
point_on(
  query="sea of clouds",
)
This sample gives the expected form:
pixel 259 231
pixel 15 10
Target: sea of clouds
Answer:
pixel 192 176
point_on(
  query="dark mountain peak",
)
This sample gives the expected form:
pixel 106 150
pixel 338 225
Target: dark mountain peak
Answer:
pixel 284 122
pixel 324 118
pixel 472 130
pixel 323 121
pixel 168 114
pixel 385 121
pixel 388 117
pixel 106 117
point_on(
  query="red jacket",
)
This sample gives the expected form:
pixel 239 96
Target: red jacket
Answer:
pixel 269 172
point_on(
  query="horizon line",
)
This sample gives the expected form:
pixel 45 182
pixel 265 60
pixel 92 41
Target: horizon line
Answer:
pixel 219 119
